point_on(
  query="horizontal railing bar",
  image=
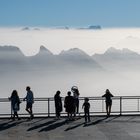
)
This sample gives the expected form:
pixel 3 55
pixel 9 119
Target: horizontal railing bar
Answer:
pixel 49 112
pixel 81 98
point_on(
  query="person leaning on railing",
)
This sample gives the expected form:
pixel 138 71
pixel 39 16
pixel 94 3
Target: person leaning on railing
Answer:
pixel 108 101
pixel 58 104
pixel 30 100
pixel 15 104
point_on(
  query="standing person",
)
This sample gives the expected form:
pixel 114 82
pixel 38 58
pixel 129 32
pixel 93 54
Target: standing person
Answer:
pixel 30 100
pixel 86 106
pixel 108 101
pixel 58 104
pixel 69 105
pixel 15 102
pixel 76 94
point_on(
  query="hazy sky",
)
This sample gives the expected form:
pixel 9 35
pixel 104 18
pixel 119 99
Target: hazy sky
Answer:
pixel 107 13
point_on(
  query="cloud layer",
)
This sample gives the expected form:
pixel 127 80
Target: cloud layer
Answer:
pixel 56 40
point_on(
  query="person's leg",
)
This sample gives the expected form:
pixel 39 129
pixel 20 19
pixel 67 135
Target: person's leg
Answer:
pixel 88 116
pixel 74 109
pixel 85 116
pixel 71 116
pixel 77 106
pixel 109 110
pixel 14 115
pixel 31 112
pixel 27 108
pixel 57 113
pixel 68 115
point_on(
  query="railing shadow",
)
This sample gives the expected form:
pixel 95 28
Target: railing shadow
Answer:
pixel 75 126
pixel 95 122
pixel 53 126
pixel 111 118
pixel 41 125
pixel 9 124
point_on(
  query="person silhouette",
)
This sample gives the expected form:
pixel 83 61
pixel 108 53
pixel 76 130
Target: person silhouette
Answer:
pixel 29 101
pixel 76 94
pixel 58 104
pixel 86 106
pixel 108 101
pixel 69 105
pixel 15 102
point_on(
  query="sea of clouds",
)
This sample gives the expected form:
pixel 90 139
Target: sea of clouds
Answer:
pixel 91 41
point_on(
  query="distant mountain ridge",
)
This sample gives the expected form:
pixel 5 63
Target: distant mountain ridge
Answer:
pixel 117 59
pixel 74 59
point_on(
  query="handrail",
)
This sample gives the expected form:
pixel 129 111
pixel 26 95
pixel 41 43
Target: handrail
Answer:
pixel 121 105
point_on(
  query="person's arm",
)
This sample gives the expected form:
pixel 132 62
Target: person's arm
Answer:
pixel 25 98
pixel 89 105
pixel 111 95
pixel 10 98
pixel 33 96
pixel 104 95
pixel 19 101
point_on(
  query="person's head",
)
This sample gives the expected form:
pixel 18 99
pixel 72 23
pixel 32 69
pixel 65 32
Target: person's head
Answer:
pixel 14 93
pixel 86 99
pixel 58 93
pixel 107 91
pixel 75 90
pixel 28 88
pixel 69 93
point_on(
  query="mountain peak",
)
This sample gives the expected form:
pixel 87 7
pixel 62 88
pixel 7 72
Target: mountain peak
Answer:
pixel 44 50
pixel 112 50
pixel 95 27
pixel 10 50
pixel 73 51
pixel 25 29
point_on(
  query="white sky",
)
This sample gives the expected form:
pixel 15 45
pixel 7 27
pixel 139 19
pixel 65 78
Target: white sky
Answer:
pixel 56 40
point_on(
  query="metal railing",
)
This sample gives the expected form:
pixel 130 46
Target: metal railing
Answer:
pixel 44 107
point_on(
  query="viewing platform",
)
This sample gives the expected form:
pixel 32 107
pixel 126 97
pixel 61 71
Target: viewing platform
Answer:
pixel 100 128
pixel 123 124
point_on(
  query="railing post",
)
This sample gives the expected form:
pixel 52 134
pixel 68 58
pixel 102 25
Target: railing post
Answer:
pixel 138 105
pixel 11 111
pixel 48 107
pixel 102 105
pixel 120 106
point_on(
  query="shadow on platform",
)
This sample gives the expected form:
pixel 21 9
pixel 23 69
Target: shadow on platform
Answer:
pixel 8 125
pixel 41 125
pixel 53 126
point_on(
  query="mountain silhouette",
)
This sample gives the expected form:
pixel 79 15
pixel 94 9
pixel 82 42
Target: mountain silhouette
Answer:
pixel 117 59
pixel 9 54
pixel 74 59
pixel 11 58
pixel 77 58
